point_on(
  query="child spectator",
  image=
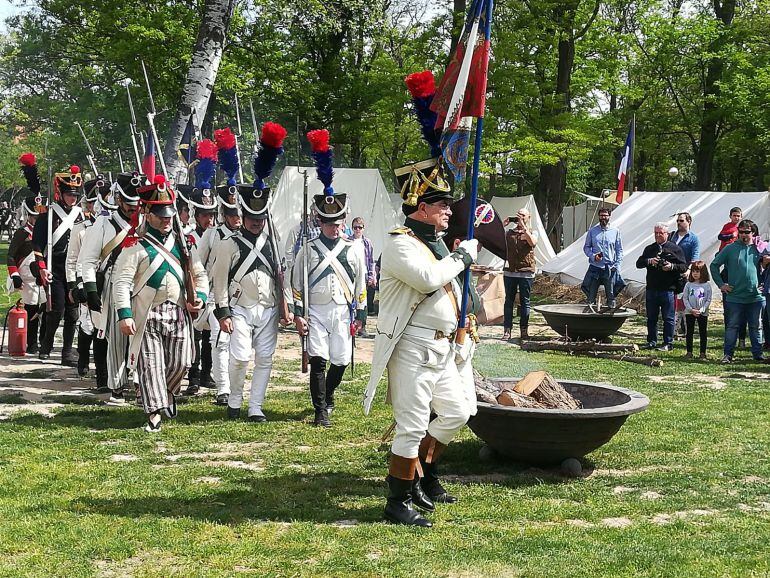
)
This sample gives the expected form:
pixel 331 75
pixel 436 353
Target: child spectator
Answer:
pixel 729 232
pixel 697 298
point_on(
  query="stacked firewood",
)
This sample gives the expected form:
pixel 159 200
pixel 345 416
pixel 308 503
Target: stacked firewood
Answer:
pixel 537 389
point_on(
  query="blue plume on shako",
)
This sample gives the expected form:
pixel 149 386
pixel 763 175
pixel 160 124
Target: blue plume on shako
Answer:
pixel 271 145
pixel 322 155
pixel 206 169
pixel 228 154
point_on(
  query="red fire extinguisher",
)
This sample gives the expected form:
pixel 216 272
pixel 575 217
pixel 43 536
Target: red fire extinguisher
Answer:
pixel 17 340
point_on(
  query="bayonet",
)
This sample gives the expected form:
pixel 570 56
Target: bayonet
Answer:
pixel 120 160
pixel 238 136
pixel 134 130
pixel 90 156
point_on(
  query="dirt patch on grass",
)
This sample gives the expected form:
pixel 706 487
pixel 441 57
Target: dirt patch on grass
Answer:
pixel 616 522
pixel 235 464
pixel 697 379
pixel 8 410
pixel 123 458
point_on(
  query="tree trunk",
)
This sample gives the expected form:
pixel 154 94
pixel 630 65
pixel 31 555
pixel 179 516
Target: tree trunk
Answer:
pixel 712 110
pixel 458 21
pixel 206 57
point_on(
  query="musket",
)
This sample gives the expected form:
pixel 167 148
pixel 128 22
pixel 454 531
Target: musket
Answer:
pixel 120 160
pixel 255 146
pixel 237 146
pixel 49 236
pixel 134 131
pixel 186 260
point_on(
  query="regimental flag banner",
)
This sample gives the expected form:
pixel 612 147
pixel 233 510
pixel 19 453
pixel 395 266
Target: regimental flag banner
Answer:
pixel 148 162
pixel 186 149
pixel 461 95
pixel 625 163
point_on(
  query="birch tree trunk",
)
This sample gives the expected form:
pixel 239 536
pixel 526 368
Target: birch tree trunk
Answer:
pixel 206 57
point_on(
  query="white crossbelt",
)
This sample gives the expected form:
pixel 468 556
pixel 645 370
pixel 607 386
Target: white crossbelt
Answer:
pixel 254 254
pixel 164 251
pixel 67 221
pixel 330 260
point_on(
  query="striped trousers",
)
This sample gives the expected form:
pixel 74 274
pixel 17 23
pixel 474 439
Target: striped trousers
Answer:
pixel 117 352
pixel 164 357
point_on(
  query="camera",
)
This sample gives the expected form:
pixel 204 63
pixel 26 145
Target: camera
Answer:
pixel 514 219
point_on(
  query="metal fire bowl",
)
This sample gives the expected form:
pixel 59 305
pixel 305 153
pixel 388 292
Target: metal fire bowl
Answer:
pixel 549 436
pixel 572 320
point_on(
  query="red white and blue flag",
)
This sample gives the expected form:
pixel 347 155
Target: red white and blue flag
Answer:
pixel 625 163
pixel 461 95
pixel 148 162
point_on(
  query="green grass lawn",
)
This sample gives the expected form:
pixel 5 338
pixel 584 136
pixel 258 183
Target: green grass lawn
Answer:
pixel 682 490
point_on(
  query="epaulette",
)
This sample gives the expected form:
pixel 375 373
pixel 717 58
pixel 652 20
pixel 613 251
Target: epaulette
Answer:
pixel 400 231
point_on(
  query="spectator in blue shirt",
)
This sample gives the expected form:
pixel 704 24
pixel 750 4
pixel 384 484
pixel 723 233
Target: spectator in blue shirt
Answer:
pixel 687 240
pixel 604 249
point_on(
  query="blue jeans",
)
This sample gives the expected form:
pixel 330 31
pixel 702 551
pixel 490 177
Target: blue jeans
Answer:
pixel 605 276
pixel 739 314
pixel 524 287
pixel 660 302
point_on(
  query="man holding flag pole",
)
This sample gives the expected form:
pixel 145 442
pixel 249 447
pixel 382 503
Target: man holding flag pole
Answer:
pixel 420 283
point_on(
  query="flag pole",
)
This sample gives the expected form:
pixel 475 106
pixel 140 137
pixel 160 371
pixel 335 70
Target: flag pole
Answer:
pixel 632 175
pixel 462 330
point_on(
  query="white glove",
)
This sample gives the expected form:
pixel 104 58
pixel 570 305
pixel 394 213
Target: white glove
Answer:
pixel 471 247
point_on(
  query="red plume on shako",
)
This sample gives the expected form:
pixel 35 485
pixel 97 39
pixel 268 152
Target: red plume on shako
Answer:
pixel 332 207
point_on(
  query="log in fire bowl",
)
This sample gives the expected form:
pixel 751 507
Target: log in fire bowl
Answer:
pixel 575 321
pixel 551 436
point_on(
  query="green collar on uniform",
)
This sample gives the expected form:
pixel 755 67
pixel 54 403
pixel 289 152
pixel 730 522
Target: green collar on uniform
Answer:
pixel 157 235
pixel 157 277
pixel 427 234
pixel 330 243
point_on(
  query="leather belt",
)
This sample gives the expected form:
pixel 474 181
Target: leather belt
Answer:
pixel 425 333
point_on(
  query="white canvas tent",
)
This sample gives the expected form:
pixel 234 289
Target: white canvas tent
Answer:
pixel 507 207
pixel 367 197
pixel 636 218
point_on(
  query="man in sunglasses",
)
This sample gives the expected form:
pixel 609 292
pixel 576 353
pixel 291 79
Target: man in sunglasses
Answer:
pixel 690 245
pixel 742 296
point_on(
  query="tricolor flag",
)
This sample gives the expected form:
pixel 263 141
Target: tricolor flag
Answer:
pixel 148 162
pixel 625 163
pixel 461 95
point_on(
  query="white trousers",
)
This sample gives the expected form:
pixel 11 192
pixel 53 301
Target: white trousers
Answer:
pixel 254 330
pixel 464 362
pixel 329 333
pixel 220 355
pixel 422 376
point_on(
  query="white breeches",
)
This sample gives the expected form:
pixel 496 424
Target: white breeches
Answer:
pixel 220 355
pixel 329 335
pixel 254 330
pixel 422 376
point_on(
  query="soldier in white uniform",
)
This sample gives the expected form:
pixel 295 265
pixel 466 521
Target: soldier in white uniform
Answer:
pixel 63 215
pixel 337 289
pixel 420 296
pixel 202 202
pixel 93 190
pixel 102 244
pixel 149 289
pixel 248 285
pixel 21 255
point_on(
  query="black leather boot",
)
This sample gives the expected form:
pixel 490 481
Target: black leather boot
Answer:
pixel 431 484
pixel 84 352
pixel 398 509
pixel 52 319
pixel 205 377
pixel 420 498
pixel 69 356
pixel 100 362
pixel 33 328
pixel 318 391
pixel 333 380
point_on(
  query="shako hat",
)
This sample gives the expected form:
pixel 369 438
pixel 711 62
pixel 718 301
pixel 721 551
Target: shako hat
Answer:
pixel 331 207
pixel 126 185
pixel 424 181
pixel 157 198
pixel 99 189
pixel 254 198
pixel 69 182
pixel 33 204
pixel 227 153
pixel 202 197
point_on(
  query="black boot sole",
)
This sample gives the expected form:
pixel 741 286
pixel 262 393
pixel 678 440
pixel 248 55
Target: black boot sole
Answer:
pixel 418 522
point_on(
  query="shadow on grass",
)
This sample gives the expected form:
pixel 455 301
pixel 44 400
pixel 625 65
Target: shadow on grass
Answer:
pixel 131 417
pixel 321 498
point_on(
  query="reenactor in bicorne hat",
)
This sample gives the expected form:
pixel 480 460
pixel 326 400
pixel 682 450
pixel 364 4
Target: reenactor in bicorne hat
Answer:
pixel 94 200
pixel 21 254
pixel 230 223
pixel 63 213
pixel 101 247
pixel 247 285
pixel 202 204
pixel 420 296
pixel 337 288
